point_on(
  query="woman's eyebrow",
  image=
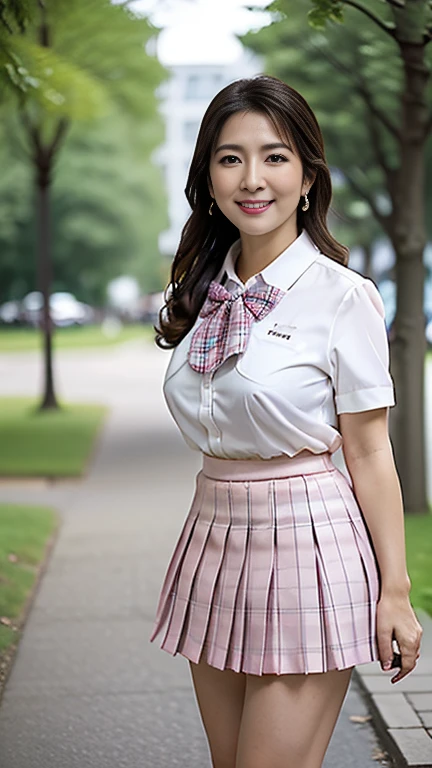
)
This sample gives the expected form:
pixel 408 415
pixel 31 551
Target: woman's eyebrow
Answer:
pixel 239 147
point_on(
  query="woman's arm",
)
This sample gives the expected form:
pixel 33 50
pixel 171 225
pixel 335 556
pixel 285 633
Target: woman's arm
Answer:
pixel 369 460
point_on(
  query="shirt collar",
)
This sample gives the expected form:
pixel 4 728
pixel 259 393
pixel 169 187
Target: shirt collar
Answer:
pixel 282 272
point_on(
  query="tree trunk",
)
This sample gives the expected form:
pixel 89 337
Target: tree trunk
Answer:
pixel 408 349
pixel 43 179
pixel 408 346
pixel 367 260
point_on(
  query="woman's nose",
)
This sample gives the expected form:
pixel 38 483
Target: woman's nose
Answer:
pixel 252 177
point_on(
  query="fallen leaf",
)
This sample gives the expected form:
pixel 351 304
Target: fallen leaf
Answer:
pixel 378 754
pixel 360 718
pixel 4 620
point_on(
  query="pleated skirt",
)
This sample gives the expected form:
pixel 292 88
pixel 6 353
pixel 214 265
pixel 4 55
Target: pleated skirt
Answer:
pixel 273 572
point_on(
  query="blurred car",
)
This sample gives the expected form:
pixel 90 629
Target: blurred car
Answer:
pixel 10 312
pixel 65 309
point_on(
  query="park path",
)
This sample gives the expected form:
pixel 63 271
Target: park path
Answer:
pixel 87 689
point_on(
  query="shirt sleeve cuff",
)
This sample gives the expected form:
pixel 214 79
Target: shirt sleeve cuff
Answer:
pixel 365 399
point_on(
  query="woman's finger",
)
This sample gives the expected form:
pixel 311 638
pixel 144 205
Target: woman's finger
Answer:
pixel 410 652
pixel 384 635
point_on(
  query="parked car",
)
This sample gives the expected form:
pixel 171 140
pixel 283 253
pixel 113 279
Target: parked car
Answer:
pixel 10 312
pixel 65 309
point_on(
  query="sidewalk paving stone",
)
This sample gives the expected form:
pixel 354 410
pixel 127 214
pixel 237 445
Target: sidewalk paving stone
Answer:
pixel 411 684
pixel 397 711
pixel 415 746
pixel 421 701
pixel 426 718
pixel 403 710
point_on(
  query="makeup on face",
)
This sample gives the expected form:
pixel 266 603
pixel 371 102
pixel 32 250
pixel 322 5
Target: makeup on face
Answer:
pixel 253 208
pixel 256 176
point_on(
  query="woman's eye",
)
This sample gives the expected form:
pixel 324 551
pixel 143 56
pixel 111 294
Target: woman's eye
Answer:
pixel 226 160
pixel 228 157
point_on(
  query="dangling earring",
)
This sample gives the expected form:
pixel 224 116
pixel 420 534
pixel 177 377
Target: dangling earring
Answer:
pixel 210 209
pixel 306 205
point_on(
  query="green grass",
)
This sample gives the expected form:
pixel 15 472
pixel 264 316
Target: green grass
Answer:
pixel 46 443
pixel 30 339
pixel 24 532
pixel 418 534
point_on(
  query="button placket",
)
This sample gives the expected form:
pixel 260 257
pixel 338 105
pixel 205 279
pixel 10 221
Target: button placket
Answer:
pixel 206 406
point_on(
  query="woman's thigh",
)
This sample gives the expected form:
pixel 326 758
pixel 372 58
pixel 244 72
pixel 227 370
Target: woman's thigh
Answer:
pixel 288 720
pixel 220 696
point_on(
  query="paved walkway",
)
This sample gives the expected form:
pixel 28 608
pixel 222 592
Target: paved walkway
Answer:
pixel 403 711
pixel 87 689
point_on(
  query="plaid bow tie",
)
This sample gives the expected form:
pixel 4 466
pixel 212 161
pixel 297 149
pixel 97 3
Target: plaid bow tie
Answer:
pixel 228 320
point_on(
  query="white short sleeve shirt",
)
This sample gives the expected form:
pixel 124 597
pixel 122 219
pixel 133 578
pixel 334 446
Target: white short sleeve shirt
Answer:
pixel 321 351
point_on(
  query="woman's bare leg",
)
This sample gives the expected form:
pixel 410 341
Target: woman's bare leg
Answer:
pixel 288 720
pixel 220 696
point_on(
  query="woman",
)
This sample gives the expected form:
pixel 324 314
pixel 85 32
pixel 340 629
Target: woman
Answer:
pixel 286 573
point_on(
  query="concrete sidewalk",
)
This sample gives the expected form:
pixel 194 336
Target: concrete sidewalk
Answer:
pixel 87 689
pixel 403 711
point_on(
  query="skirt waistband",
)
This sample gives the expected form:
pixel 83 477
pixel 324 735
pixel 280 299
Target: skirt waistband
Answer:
pixel 303 463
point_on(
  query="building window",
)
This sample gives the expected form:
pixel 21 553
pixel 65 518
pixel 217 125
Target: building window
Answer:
pixel 203 86
pixel 190 130
pixel 192 87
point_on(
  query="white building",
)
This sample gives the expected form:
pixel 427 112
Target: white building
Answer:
pixel 183 100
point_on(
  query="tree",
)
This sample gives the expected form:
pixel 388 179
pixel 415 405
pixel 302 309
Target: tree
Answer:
pixel 106 215
pixel 393 91
pixel 13 15
pixel 57 78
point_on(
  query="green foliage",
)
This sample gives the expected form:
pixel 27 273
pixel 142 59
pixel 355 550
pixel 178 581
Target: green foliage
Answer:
pixel 57 85
pixel 344 74
pixel 107 197
pixel 116 57
pixel 108 208
pixel 325 10
pixel 54 65
pixel 14 15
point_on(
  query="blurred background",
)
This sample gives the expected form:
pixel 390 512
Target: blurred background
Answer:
pixel 117 198
pixel 100 105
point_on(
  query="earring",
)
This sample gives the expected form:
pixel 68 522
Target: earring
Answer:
pixel 306 205
pixel 210 209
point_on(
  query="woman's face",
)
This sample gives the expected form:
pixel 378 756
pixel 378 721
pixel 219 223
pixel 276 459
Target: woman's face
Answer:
pixel 243 168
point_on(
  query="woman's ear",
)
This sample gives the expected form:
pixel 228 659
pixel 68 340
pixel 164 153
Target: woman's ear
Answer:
pixel 309 179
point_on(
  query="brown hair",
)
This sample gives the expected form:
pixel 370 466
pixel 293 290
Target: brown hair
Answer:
pixel 205 239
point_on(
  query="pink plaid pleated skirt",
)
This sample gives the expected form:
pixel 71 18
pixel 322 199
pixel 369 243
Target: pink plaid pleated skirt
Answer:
pixel 274 570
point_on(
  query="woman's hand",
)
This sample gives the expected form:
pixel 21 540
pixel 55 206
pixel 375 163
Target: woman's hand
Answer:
pixel 396 620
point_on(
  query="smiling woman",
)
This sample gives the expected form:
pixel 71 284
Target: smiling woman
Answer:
pixel 277 180
pixel 259 142
pixel 285 574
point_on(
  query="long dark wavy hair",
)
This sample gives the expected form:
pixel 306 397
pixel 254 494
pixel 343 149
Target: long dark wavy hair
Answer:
pixel 206 239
